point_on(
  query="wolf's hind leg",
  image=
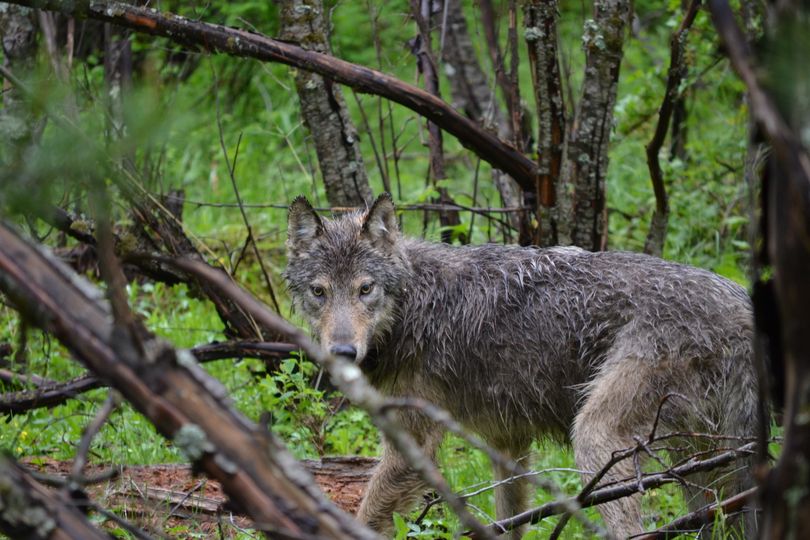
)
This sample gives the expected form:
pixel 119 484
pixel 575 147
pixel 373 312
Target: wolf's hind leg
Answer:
pixel 395 486
pixel 510 493
pixel 616 409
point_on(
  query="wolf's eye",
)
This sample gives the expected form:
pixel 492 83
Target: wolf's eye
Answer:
pixel 366 288
pixel 317 291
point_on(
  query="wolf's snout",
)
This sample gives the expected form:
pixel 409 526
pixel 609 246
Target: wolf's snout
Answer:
pixel 345 350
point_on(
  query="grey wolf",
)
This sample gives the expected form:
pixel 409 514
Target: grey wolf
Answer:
pixel 519 343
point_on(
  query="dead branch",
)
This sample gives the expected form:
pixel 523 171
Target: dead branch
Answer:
pixel 28 510
pixel 220 39
pixel 186 405
pixel 53 394
pixel 694 521
pixel 47 396
pixel 624 489
pixel 654 245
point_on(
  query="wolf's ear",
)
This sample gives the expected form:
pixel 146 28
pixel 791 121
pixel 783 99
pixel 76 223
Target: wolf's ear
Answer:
pixel 380 223
pixel 303 224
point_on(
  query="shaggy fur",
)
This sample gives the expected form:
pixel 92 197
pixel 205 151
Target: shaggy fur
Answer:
pixel 519 343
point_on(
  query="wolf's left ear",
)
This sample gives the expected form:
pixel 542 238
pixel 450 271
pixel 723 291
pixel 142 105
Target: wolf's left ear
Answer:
pixel 303 224
pixel 380 223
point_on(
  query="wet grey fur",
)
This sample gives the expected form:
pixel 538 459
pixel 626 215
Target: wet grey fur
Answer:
pixel 519 343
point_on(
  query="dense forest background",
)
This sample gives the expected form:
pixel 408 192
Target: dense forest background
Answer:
pixel 153 147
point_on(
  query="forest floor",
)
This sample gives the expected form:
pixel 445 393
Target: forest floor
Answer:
pixel 142 494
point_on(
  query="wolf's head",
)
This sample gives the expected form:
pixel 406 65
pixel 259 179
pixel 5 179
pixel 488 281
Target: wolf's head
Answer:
pixel 346 274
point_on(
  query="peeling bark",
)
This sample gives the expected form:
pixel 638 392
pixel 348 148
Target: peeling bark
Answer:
pixel 581 191
pixel 540 19
pixel 324 109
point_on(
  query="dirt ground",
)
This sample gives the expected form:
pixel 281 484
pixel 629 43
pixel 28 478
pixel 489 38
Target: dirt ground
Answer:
pixel 160 497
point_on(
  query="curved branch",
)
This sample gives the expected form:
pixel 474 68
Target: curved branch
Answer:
pixel 241 43
pixel 654 245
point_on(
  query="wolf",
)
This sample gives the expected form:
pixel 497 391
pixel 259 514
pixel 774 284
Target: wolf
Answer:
pixel 520 343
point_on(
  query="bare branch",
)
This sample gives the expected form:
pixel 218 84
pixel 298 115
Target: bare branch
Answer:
pixel 625 489
pixel 696 520
pixel 654 245
pixel 57 393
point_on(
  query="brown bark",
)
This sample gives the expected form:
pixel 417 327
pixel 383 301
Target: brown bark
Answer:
pixel 28 510
pixel 324 108
pixel 185 404
pixel 540 19
pixel 581 190
pixel 217 38
pixel 785 497
pixel 654 244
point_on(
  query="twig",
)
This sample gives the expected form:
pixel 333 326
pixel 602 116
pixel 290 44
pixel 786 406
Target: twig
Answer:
pixel 90 432
pixel 697 519
pixel 625 489
pixel 59 392
pixel 444 419
pixel 232 176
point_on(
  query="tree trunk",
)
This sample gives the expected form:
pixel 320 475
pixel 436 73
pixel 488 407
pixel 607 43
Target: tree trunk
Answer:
pixel 473 94
pixel 783 114
pixel 581 190
pixel 540 20
pixel 324 109
pixel 19 50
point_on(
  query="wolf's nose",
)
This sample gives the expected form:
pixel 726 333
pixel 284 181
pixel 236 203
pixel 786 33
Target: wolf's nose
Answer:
pixel 347 351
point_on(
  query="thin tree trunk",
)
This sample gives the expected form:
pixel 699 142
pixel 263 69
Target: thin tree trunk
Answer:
pixel 540 20
pixel 581 190
pixel 324 109
pixel 474 94
pixel 427 65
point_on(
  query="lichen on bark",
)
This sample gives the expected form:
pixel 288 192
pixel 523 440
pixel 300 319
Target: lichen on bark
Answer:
pixel 324 109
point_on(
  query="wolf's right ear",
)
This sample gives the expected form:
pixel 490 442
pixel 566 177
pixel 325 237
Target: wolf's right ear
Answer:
pixel 303 224
pixel 380 222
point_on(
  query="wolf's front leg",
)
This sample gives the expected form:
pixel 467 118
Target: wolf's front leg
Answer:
pixel 395 486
